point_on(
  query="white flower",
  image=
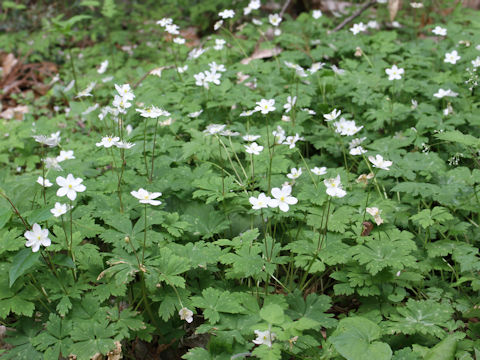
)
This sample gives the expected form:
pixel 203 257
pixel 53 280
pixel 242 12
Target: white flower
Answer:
pixel 334 187
pixel 279 135
pixel 200 80
pixel 182 69
pixel 254 4
pixel 317 14
pixel 59 209
pixel 259 203
pixel 152 112
pixel 319 171
pixel 379 162
pixel 125 92
pixel 164 22
pixel 251 137
pixel 69 186
pixel 179 41
pixel 172 29
pixel 226 14
pixel 356 28
pixel 295 173
pixel 65 155
pixel 103 67
pixel 36 237
pixel 147 197
pixel 129 129
pixel 212 77
pixel 372 24
pixel 375 212
pixel 290 103
pixel 315 67
pixel 186 314
pixel 265 106
pixel 107 79
pixel 229 132
pixel 292 140
pixel 124 145
pixel 358 150
pixel 333 115
pixel 108 141
pixel 452 57
pixel 218 25
pixel 274 19
pixel 90 109
pixel 440 31
pixel 346 128
pixel 69 86
pixel 121 104
pixel 257 22
pixel 355 142
pixel 442 93
pixel 195 114
pixel 282 198
pixel 44 182
pixel 414 104
pixel 337 70
pixel 264 337
pixel 219 44
pixel 253 148
pixel 156 72
pixel 476 62
pixel 247 113
pixel 416 5
pixel 213 129
pixel 51 141
pixel 87 91
pixel 214 67
pixel 52 163
pixel 394 73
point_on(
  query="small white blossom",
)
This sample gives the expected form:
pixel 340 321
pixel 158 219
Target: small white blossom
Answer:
pixel 65 155
pixel 214 67
pixel 295 173
pixel 213 129
pixel 195 114
pixel 59 209
pixel 319 171
pixel 219 44
pixel 333 115
pixel 379 162
pixel 358 150
pixel 357 28
pixel 36 237
pixel 265 106
pixel 182 69
pixel 44 182
pixel 69 186
pixel 290 103
pixel 146 197
pixel 179 40
pixel 227 14
pixel 334 187
pixel 103 67
pixel 186 314
pixel 375 212
pixel 164 22
pixel 259 203
pixel 124 145
pixel 52 163
pixel 152 112
pixel 172 29
pixel 250 137
pixel 274 19
pixel 108 141
pixel 440 31
pixel 253 148
pixel 443 93
pixel 264 338
pixel 317 14
pixel 87 91
pixel 218 25
pixel 282 198
pixel 292 140
pixel 394 73
pixel 452 57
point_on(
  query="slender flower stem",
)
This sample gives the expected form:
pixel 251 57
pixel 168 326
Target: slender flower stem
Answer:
pixel 144 235
pixel 236 157
pixel 308 168
pixel 119 186
pixel 52 268
pixel 230 159
pixel 153 149
pixel 27 227
pixel 73 70
pixel 43 175
pixel 145 146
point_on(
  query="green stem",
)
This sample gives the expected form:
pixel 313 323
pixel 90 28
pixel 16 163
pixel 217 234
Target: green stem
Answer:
pixel 153 149
pixel 144 236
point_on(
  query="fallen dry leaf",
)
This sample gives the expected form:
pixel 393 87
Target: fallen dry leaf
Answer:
pixel 393 7
pixel 262 54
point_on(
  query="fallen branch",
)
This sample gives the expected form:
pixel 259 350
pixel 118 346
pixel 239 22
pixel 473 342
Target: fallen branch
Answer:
pixel 356 14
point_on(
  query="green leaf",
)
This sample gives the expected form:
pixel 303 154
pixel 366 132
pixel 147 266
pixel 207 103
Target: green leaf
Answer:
pixel 91 337
pixel 215 301
pixel 355 338
pixel 457 137
pixel 55 341
pixel 22 262
pixel 444 350
pixel 273 314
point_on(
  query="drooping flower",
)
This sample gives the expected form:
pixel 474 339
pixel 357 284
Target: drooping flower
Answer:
pixel 186 314
pixel 253 148
pixel 282 198
pixel 146 197
pixel 250 137
pixel 452 57
pixel 36 237
pixel 59 209
pixel 103 67
pixel 265 106
pixel 264 338
pixel 51 141
pixel 292 140
pixel 379 162
pixel 334 187
pixel 290 103
pixel 44 182
pixel 375 212
pixel 124 145
pixel 87 91
pixel 259 203
pixel 152 112
pixel 394 73
pixel 358 150
pixel 213 129
pixel 443 93
pixel 70 186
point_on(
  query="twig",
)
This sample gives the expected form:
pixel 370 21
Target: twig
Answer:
pixel 284 8
pixel 356 14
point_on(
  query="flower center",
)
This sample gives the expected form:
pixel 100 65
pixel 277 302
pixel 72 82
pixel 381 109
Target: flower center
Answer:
pixel 38 237
pixel 70 186
pixel 282 198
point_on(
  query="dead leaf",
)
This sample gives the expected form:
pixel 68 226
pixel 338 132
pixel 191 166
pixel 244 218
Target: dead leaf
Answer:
pixel 8 63
pixel 367 228
pixel 393 7
pixel 262 54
